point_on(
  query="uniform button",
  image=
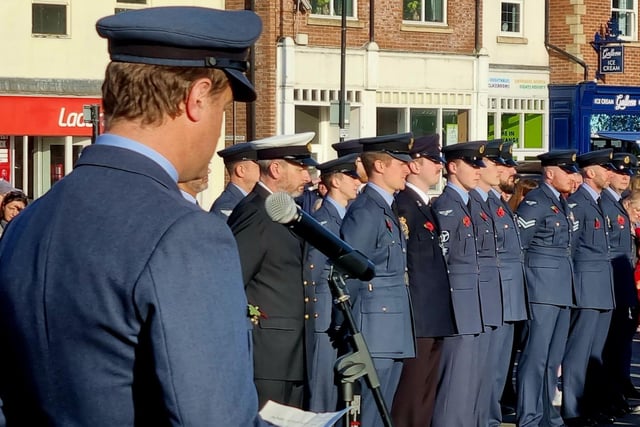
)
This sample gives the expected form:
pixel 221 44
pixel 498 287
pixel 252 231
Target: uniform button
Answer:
pixel 315 315
pixel 451 289
pixel 311 266
pixel 305 283
pixel 313 283
pixel 384 308
pixel 306 299
pixel 315 300
pixel 306 317
pixel 404 250
pixel 557 224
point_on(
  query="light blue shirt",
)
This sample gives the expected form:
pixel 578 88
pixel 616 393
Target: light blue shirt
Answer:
pixel 460 191
pixel 385 195
pixel 129 144
pixel 482 193
pixel 614 194
pixel 553 190
pixel 244 193
pixel 341 209
pixel 591 191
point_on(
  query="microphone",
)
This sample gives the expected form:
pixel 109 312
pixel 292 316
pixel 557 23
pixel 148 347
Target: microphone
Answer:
pixel 282 209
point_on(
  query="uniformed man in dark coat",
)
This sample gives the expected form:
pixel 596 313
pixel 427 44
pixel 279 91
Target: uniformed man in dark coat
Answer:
pixel 341 179
pixel 352 146
pixel 489 285
pixel 546 224
pixel 428 285
pixel 122 302
pixel 271 256
pixel 381 306
pixel 459 384
pixel 511 268
pixel 617 351
pixel 244 172
pixel 593 280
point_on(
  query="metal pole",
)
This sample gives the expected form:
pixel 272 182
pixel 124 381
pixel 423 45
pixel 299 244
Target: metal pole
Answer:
pixel 343 54
pixel 95 122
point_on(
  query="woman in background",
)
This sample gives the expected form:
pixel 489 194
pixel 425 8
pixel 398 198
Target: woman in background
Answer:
pixel 12 204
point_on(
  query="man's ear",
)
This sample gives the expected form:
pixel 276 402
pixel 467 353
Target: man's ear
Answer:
pixel 415 167
pixel 275 169
pixel 197 99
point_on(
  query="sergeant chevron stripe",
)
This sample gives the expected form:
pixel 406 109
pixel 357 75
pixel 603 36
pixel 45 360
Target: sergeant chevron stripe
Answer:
pixel 523 223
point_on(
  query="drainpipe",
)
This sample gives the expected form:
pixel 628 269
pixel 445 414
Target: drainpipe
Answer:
pixel 476 34
pixel 251 106
pixel 559 50
pixel 372 7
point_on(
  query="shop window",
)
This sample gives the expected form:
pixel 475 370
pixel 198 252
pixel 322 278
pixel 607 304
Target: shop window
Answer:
pixel 511 18
pixel 390 121
pixel 424 121
pixel 533 130
pixel 430 11
pixel 624 11
pixel 49 19
pixel 524 130
pixel 332 7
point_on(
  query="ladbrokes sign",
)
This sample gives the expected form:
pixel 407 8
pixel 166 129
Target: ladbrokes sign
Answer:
pixel 44 116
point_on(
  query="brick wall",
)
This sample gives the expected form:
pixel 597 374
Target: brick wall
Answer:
pixel 572 26
pixel 281 19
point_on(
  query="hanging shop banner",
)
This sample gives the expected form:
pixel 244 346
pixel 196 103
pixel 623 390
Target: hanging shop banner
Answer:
pixel 44 116
pixel 611 59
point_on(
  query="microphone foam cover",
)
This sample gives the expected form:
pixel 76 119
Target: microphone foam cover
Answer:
pixel 281 207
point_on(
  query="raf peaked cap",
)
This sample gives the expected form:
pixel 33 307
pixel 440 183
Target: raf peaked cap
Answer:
pixel 565 159
pixel 396 145
pixel 345 164
pixel 427 146
pixel 238 153
pixel 596 158
pixel 507 154
pixel 493 151
pixel 186 36
pixel 624 163
pixel 471 152
pixel 295 147
pixel 347 147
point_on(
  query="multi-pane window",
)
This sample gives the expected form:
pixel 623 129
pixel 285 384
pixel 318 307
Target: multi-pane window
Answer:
pixel 49 19
pixel 332 7
pixel 511 17
pixel 624 11
pixel 424 10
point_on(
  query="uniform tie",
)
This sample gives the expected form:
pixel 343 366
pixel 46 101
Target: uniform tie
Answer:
pixel 394 209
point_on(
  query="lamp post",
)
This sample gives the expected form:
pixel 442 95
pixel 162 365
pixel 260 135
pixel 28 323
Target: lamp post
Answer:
pixel 343 57
pixel 91 114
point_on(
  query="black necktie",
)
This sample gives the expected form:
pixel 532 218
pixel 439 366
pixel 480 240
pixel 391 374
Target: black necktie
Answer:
pixel 394 209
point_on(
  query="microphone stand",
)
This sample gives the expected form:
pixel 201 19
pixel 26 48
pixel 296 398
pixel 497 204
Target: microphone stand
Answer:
pixel 357 364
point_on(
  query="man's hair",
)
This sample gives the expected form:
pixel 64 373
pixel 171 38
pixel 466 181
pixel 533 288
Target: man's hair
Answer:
pixel 150 92
pixel 326 179
pixel 264 165
pixel 369 158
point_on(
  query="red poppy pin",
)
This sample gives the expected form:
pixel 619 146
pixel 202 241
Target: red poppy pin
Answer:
pixel 555 209
pixel 389 226
pixel 500 212
pixel 466 221
pixel 429 226
pixel 596 224
pixel 620 220
pixel 483 216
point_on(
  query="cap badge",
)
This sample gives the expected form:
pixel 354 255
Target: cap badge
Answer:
pixel 410 146
pixel 481 149
pixel 500 147
pixel 626 160
pixel 309 147
pixel 610 155
pixel 511 149
pixel 573 158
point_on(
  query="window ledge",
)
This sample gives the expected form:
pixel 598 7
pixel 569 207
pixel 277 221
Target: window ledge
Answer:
pixel 512 40
pixel 334 21
pixel 424 27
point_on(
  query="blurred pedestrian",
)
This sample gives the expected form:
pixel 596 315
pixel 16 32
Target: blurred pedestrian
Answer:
pixel 12 204
pixel 244 172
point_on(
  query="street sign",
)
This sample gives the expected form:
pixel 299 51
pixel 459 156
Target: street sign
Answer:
pixel 611 59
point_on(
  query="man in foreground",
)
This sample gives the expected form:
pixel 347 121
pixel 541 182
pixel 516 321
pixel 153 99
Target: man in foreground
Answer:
pixel 135 314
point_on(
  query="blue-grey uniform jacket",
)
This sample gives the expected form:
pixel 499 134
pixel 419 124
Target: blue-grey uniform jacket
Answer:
pixel 227 201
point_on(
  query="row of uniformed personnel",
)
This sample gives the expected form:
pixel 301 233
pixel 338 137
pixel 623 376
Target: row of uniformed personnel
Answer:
pixel 466 262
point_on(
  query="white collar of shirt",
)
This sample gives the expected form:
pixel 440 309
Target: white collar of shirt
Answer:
pixel 424 196
pixel 263 185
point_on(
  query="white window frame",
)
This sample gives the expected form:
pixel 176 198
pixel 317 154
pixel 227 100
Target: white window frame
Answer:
pixel 67 7
pixel 332 12
pixel 520 33
pixel 423 8
pixel 631 14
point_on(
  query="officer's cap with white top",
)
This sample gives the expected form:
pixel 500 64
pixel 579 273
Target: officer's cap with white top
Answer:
pixel 294 147
pixel 186 36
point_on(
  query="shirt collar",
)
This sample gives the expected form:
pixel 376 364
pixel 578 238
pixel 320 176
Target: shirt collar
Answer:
pixel 424 196
pixel 244 193
pixel 129 144
pixel 460 191
pixel 553 190
pixel 614 194
pixel 591 191
pixel 341 209
pixel 482 193
pixel 188 197
pixel 385 195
